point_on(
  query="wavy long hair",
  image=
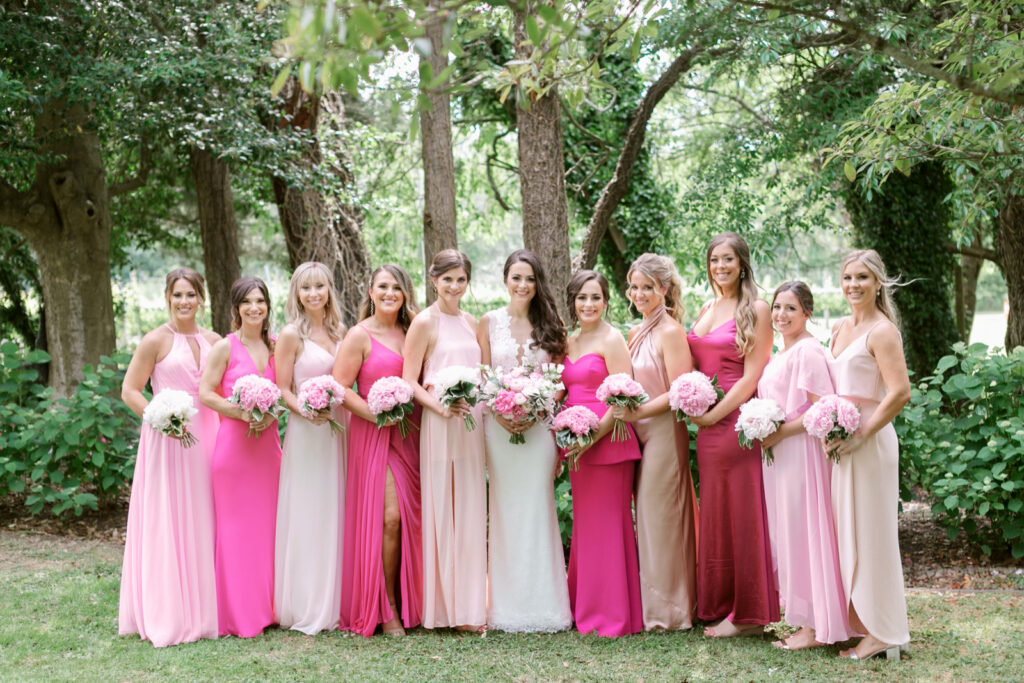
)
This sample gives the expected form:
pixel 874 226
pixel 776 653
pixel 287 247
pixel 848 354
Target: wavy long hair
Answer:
pixel 873 262
pixel 576 283
pixel 241 287
pixel 409 307
pixel 295 312
pixel 548 330
pixel 746 315
pixel 662 271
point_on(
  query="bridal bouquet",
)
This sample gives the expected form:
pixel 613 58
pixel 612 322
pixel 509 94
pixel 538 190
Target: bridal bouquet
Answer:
pixel 390 399
pixel 522 394
pixel 832 418
pixel 621 390
pixel 169 413
pixel 458 382
pixel 259 396
pixel 317 395
pixel 692 394
pixel 759 418
pixel 575 428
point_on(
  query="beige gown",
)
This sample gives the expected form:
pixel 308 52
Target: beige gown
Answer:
pixel 666 507
pixel 865 498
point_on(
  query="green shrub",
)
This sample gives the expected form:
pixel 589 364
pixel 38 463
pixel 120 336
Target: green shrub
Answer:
pixel 962 441
pixel 64 454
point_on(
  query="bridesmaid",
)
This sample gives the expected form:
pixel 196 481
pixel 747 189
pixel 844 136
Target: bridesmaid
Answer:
pixel 451 459
pixel 307 556
pixel 666 505
pixel 732 339
pixel 798 486
pixel 523 530
pixel 867 365
pixel 604 574
pixel 245 468
pixel 383 566
pixel 168 591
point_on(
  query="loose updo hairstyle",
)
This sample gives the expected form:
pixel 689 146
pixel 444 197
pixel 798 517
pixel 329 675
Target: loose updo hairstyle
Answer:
pixel 190 276
pixel 239 289
pixel 662 271
pixel 745 316
pixel 409 307
pixel 548 331
pixel 576 283
pixel 446 259
pixel 873 262
pixel 800 290
pixel 295 313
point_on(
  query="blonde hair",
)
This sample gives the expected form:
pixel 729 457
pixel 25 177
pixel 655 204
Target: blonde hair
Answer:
pixel 662 271
pixel 746 315
pixel 873 262
pixel 295 313
pixel 409 307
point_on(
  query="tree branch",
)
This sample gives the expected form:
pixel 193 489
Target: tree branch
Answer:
pixel 136 181
pixel 971 250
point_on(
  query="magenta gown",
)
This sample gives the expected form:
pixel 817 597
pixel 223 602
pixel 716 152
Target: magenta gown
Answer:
pixel 798 495
pixel 604 571
pixel 246 471
pixel 168 592
pixel 735 580
pixel 372 451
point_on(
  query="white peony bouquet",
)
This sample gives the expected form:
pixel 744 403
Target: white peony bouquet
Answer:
pixel 169 413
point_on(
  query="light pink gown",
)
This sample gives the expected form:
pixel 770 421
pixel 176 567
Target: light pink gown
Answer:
pixel 798 496
pixel 454 498
pixel 168 592
pixel 865 500
pixel 246 471
pixel 307 557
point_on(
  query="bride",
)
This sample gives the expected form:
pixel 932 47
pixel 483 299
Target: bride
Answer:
pixel 527 589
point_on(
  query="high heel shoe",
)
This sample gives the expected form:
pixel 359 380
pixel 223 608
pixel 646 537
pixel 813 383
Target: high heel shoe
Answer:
pixel 892 653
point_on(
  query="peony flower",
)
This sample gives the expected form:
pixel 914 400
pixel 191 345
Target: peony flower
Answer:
pixel 169 413
pixel 390 399
pixel 458 382
pixel 758 419
pixel 575 427
pixel 832 418
pixel 317 395
pixel 257 395
pixel 622 390
pixel 692 394
pixel 521 394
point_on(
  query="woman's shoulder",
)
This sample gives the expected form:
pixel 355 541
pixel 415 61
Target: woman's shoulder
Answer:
pixel 761 307
pixel 210 336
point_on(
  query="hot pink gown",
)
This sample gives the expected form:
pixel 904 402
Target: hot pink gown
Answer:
pixel 168 591
pixel 604 572
pixel 798 495
pixel 372 451
pixel 453 494
pixel 735 580
pixel 246 471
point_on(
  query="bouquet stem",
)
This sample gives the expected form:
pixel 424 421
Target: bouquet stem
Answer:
pixel 470 422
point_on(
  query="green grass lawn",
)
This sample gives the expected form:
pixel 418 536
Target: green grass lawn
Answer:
pixel 59 622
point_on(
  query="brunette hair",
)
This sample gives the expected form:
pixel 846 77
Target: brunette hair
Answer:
pixel 873 262
pixel 295 313
pixel 190 276
pixel 409 307
pixel 800 290
pixel 446 259
pixel 239 289
pixel 548 330
pixel 746 315
pixel 581 278
pixel 662 271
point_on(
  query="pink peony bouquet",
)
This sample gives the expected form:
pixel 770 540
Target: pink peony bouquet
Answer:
pixel 522 394
pixel 458 382
pixel 759 418
pixel 316 397
pixel 832 418
pixel 169 413
pixel 390 399
pixel 258 396
pixel 575 427
pixel 692 394
pixel 621 390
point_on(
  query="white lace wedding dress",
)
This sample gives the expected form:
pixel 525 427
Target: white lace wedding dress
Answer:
pixel 527 588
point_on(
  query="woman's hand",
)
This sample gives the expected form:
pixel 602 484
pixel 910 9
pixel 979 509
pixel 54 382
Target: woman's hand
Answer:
pixel 772 439
pixel 320 417
pixel 258 426
pixel 703 420
pixel 458 409
pixel 514 426
pixel 627 414
pixel 843 447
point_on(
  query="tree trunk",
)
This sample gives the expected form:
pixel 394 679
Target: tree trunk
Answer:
pixel 967 273
pixel 219 232
pixel 1010 245
pixel 436 135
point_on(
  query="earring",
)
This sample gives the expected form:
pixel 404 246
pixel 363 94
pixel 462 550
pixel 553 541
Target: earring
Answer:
pixel 743 274
pixel 372 307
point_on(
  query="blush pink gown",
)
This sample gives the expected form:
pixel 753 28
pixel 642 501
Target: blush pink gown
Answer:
pixel 168 591
pixel 735 580
pixel 798 495
pixel 373 451
pixel 246 471
pixel 604 572
pixel 453 494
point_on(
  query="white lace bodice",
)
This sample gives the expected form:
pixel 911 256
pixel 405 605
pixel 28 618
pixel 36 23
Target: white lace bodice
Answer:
pixel 506 352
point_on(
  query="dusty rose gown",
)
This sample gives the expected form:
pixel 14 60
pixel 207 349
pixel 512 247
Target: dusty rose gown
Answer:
pixel 453 494
pixel 865 500
pixel 168 591
pixel 735 580
pixel 246 471
pixel 372 451
pixel 307 556
pixel 666 505
pixel 604 573
pixel 798 495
